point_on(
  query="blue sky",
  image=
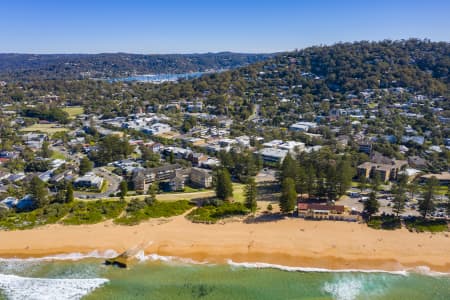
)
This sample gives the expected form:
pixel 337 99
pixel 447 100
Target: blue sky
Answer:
pixel 170 26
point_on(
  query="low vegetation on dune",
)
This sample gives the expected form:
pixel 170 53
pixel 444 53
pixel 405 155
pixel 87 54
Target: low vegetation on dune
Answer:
pixel 138 211
pixel 213 211
pixel 423 225
pixel 389 222
pixel 42 216
pixel 93 212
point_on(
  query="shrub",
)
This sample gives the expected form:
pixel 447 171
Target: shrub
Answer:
pixel 47 215
pixel 93 212
pixel 387 222
pixel 422 225
pixel 211 214
pixel 138 211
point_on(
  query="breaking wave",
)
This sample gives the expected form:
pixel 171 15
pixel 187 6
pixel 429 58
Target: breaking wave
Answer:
pixel 18 288
pixel 142 257
pixel 69 256
pixel 344 289
pixel 260 265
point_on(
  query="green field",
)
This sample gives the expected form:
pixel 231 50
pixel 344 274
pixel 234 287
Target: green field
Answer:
pixel 45 128
pixel 74 111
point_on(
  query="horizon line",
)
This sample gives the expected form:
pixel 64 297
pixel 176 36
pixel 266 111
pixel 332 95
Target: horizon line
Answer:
pixel 221 51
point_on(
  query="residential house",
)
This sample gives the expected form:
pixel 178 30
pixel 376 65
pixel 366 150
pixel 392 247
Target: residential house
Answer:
pixel 272 156
pixel 10 202
pixel 89 180
pixel 418 162
pixel 27 203
pixel 157 128
pixel 303 126
pixel 365 147
pixel 198 158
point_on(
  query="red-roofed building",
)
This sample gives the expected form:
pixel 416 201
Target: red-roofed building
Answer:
pixel 323 211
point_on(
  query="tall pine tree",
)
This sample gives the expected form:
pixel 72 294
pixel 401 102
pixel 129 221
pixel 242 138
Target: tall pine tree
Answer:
pixel 288 197
pixel 250 195
pixel 224 187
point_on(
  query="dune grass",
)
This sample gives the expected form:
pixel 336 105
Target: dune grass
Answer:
pixel 42 216
pixel 138 211
pixel 213 213
pixel 93 212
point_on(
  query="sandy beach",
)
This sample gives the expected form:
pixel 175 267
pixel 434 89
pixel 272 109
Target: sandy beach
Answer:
pixel 290 242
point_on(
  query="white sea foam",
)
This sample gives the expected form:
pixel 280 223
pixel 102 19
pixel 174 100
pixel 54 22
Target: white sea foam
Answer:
pixel 344 289
pixel 68 256
pixel 425 270
pixel 141 256
pixel 19 288
pixel 260 265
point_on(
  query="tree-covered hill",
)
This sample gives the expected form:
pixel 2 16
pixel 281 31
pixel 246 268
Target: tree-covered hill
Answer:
pixel 283 86
pixel 420 64
pixel 77 66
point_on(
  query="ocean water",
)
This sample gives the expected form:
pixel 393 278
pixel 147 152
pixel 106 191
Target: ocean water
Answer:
pixel 79 276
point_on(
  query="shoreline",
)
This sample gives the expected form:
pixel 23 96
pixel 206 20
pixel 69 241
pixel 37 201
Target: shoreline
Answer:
pixel 294 243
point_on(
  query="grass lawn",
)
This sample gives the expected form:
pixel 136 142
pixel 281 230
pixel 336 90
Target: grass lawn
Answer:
pixel 355 184
pixel 45 128
pixel 57 155
pixel 73 111
pixel 188 189
pixel 238 192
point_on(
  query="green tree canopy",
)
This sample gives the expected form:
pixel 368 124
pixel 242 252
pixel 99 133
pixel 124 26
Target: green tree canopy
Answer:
pixel 224 187
pixel 288 197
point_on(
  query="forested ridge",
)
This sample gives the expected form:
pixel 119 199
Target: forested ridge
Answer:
pixel 78 66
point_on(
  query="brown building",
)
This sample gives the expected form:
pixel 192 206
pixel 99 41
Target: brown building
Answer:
pixel 325 212
pixel 385 171
pixel 443 178
pixel 201 177
pixel 142 178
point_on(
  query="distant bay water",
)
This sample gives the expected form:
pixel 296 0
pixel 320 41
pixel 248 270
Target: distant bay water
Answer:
pixel 157 277
pixel 159 78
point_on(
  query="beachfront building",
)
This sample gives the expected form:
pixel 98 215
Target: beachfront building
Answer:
pixel 142 178
pixel 201 177
pixel 318 211
pixel 385 171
